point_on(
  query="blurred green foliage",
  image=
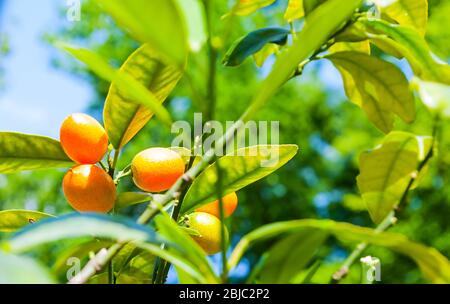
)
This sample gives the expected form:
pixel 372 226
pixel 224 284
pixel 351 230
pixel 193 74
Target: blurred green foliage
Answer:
pixel 313 113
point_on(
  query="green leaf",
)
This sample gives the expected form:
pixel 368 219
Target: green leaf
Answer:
pixel 311 5
pixel 20 152
pixel 22 270
pixel 246 7
pixel 123 116
pixel 289 256
pixel 78 225
pixel 239 169
pixel 158 22
pixel 126 199
pixel 436 96
pixel 261 56
pixel 434 266
pixel 412 13
pixel 11 220
pixel 194 15
pixel 412 46
pixel 133 265
pixel 377 86
pixel 254 42
pixel 386 171
pixel 361 46
pixel 125 82
pixel 294 10
pixel 322 23
pixel 186 247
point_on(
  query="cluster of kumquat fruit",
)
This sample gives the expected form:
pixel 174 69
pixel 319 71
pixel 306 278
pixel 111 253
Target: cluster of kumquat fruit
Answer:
pixel 89 188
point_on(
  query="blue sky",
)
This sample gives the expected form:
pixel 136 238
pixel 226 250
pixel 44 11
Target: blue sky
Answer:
pixel 36 97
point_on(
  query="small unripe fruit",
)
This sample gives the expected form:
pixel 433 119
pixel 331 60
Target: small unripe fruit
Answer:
pixel 89 189
pixel 209 228
pixel 156 169
pixel 229 203
pixel 83 138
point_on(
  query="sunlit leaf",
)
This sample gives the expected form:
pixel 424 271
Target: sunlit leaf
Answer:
pixel 123 116
pixel 290 256
pixel 294 10
pixel 11 220
pixel 158 22
pixel 254 42
pixel 126 199
pixel 261 56
pixel 436 96
pixel 434 266
pixel 22 270
pixel 361 46
pixel 386 171
pixel 412 46
pixel 322 23
pixel 194 15
pixel 377 86
pixel 75 226
pixel 20 152
pixel 126 83
pixel 246 7
pixel 239 169
pixel 413 13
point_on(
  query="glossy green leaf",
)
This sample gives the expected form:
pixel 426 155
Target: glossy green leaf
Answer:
pixel 361 46
pixel 311 5
pixel 126 199
pixel 246 7
pixel 412 46
pixel 158 22
pixel 322 23
pixel 22 270
pixel 123 116
pixel 377 86
pixel 194 15
pixel 434 266
pixel 413 13
pixel 386 171
pixel 289 256
pixel 254 42
pixel 239 169
pixel 294 10
pixel 20 152
pixel 436 96
pixel 125 82
pixel 11 220
pixel 75 226
pixel 186 247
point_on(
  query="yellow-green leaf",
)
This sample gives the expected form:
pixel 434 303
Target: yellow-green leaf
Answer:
pixel 261 56
pixel 412 13
pixel 22 270
pixel 361 46
pixel 294 10
pixel 239 169
pixel 436 96
pixel 126 199
pixel 377 86
pixel 158 22
pixel 434 266
pixel 11 220
pixel 123 116
pixel 386 171
pixel 20 152
pixel 246 7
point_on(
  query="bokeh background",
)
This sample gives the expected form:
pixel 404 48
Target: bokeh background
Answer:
pixel 39 86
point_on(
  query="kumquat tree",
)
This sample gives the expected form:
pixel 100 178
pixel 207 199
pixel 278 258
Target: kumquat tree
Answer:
pixel 241 141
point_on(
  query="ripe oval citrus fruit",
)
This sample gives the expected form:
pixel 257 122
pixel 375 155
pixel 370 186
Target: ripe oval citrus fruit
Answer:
pixel 83 138
pixel 156 169
pixel 89 189
pixel 229 203
pixel 209 228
